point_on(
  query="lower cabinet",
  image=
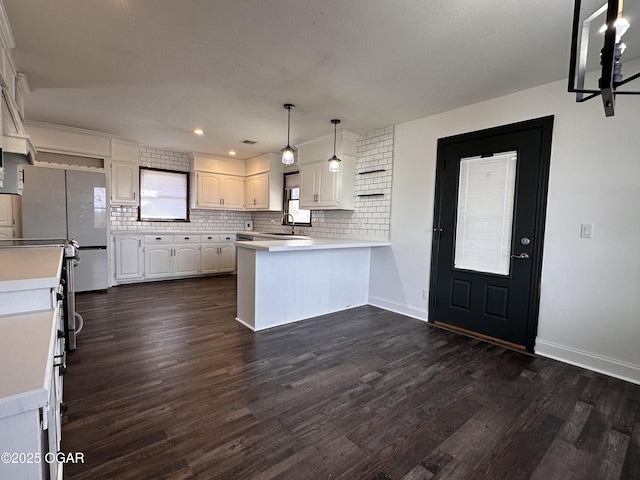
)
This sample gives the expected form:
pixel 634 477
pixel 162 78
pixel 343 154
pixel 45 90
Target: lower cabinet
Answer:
pixel 158 261
pixel 218 254
pixel 129 261
pixel 164 256
pixel 30 420
pixel 150 257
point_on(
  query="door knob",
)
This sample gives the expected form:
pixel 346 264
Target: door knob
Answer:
pixel 522 255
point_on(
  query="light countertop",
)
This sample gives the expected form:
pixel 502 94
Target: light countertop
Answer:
pixel 174 232
pixel 28 268
pixel 26 355
pixel 311 243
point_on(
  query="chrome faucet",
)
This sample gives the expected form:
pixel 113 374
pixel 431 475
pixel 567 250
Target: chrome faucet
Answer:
pixel 293 222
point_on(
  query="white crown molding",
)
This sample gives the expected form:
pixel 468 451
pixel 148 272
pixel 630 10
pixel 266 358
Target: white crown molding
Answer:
pixel 6 35
pixel 64 128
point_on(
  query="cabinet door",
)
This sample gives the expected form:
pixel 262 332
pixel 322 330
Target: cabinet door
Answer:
pixel 327 186
pixel 250 192
pixel 6 233
pixel 308 185
pixel 227 258
pixel 6 211
pixel 233 188
pixel 158 261
pixel 209 259
pixel 124 183
pixel 262 191
pixel 128 257
pixel 209 190
pixel 186 260
pixel 257 192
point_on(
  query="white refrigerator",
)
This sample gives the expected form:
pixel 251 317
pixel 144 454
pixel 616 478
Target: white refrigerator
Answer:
pixel 72 204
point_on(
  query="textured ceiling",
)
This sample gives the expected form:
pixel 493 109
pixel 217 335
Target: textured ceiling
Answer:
pixel 153 70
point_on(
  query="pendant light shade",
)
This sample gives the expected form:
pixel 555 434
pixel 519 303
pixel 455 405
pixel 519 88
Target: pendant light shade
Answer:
pixel 334 162
pixel 288 152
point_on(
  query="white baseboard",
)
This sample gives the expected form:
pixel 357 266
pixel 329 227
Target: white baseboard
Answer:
pixel 245 324
pixel 573 356
pixel 590 361
pixel 417 313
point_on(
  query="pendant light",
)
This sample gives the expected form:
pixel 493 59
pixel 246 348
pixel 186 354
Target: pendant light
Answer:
pixel 288 153
pixel 334 162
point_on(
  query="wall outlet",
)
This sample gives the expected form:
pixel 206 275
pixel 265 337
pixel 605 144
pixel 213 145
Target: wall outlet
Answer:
pixel 586 230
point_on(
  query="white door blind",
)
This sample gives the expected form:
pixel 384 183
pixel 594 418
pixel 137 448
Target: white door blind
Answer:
pixel 486 190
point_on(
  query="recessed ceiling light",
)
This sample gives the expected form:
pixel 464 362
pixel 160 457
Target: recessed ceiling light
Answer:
pixel 198 131
pixel 232 152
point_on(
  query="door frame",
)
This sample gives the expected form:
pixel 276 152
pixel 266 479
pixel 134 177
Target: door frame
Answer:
pixel 545 125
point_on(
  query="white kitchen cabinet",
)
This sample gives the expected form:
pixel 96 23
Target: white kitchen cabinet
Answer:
pixel 264 191
pixel 264 183
pixel 218 253
pixel 164 256
pixel 124 183
pixel 322 190
pixel 319 188
pixel 158 261
pixel 186 260
pixel 31 398
pixel 217 191
pixel 171 256
pixel 125 173
pixel 6 211
pixel 6 217
pixel 6 233
pixel 128 257
pixel 256 189
pixel 227 258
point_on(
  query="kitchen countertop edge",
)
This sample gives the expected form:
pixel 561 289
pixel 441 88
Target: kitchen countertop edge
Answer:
pixel 313 243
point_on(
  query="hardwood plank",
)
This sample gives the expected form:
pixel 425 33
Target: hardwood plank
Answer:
pixel 165 384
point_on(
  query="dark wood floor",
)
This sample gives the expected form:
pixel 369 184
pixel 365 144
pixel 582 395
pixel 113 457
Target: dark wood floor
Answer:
pixel 165 384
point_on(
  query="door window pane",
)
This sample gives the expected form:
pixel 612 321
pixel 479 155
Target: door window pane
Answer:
pixel 486 190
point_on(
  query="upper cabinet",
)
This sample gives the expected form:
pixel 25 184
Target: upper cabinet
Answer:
pixel 264 183
pixel 125 168
pixel 321 189
pixel 217 183
pixel 218 191
pixel 221 183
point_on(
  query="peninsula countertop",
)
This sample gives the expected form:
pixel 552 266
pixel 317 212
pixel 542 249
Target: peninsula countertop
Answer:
pixel 310 243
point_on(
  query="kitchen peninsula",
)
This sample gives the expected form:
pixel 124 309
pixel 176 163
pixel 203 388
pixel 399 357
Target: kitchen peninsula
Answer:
pixel 283 281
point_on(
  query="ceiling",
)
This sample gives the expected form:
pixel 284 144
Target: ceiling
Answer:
pixel 153 70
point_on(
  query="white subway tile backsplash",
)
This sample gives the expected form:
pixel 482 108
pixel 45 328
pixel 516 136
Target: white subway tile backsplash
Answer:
pixel 370 219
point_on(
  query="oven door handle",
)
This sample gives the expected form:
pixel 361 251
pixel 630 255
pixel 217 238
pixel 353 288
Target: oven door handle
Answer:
pixel 62 364
pixel 79 322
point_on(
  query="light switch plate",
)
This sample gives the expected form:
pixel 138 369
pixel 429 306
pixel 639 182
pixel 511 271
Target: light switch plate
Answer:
pixel 586 230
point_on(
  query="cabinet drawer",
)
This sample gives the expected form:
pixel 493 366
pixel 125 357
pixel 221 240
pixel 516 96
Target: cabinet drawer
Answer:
pixel 212 238
pixel 186 238
pixel 152 239
pixel 227 238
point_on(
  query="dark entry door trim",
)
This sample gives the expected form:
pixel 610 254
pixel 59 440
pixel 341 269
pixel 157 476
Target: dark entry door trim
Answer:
pixel 545 124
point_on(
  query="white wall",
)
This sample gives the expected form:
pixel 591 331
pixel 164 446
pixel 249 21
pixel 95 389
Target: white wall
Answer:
pixel 590 299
